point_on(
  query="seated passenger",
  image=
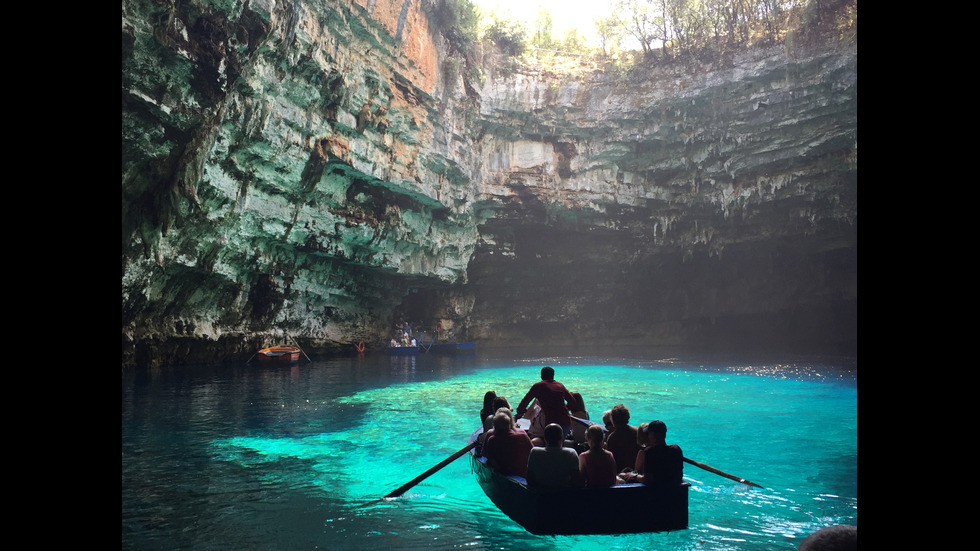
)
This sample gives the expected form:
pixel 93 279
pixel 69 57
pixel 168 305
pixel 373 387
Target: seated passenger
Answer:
pixel 488 408
pixel 622 440
pixel 537 424
pixel 579 411
pixel 498 403
pixel 502 407
pixel 554 465
pixel 597 465
pixel 508 447
pixel 643 441
pixel 664 464
pixel 578 408
pixel 607 421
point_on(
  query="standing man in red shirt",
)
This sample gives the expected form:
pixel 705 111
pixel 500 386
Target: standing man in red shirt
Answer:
pixel 554 399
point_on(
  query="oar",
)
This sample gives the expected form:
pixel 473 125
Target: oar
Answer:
pixel 429 472
pixel 709 468
pixel 300 349
pixel 698 464
pixel 422 345
pixel 585 422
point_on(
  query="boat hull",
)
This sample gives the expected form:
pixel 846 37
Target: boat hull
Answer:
pixel 279 354
pixel 620 509
pixel 403 350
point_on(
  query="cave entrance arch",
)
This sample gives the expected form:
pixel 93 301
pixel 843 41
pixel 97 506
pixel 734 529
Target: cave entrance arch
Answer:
pixel 421 308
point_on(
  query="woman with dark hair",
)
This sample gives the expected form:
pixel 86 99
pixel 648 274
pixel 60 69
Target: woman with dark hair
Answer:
pixel 488 408
pixel 578 406
pixel 578 411
pixel 498 402
pixel 500 405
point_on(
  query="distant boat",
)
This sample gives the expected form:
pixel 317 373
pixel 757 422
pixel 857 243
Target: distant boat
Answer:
pixel 279 354
pixel 403 350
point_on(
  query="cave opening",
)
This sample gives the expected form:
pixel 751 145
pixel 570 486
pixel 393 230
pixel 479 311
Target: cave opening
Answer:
pixel 421 308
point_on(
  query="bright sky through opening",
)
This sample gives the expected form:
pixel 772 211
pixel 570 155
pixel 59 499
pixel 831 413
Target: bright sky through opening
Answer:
pixel 565 14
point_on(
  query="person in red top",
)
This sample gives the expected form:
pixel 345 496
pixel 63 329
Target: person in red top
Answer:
pixel 554 399
pixel 508 448
pixel 598 466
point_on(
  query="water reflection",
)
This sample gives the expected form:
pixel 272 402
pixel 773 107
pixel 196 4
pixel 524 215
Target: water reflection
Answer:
pixel 402 364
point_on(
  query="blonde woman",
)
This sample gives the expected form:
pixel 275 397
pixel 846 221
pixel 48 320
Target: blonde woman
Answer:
pixel 597 465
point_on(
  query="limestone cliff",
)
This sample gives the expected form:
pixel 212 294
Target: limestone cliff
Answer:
pixel 324 169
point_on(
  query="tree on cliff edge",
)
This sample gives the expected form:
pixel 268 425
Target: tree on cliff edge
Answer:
pixel 459 21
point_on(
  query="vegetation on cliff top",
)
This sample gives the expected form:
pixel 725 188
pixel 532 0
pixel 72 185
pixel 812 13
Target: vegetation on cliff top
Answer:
pixel 643 32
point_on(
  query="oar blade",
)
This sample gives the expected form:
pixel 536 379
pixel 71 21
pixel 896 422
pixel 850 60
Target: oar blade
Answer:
pixel 711 469
pixel 401 490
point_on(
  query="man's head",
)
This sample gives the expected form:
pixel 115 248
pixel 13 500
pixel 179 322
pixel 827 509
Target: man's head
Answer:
pixel 510 415
pixel 656 431
pixel 547 374
pixel 553 435
pixel 620 415
pixel 501 421
pixel 657 427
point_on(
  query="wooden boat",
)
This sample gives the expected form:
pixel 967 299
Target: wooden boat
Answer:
pixel 620 509
pixel 279 354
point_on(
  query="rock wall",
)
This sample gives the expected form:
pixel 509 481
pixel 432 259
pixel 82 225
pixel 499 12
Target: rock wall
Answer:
pixel 322 170
pixel 708 206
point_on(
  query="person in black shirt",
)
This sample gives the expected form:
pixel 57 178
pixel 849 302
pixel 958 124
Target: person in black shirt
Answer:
pixel 664 464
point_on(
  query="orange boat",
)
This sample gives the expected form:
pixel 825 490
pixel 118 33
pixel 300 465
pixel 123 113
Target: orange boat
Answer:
pixel 279 354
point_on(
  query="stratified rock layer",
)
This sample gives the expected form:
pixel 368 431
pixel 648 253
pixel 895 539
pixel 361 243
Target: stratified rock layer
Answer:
pixel 321 171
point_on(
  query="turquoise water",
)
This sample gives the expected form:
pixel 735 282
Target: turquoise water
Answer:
pixel 296 458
